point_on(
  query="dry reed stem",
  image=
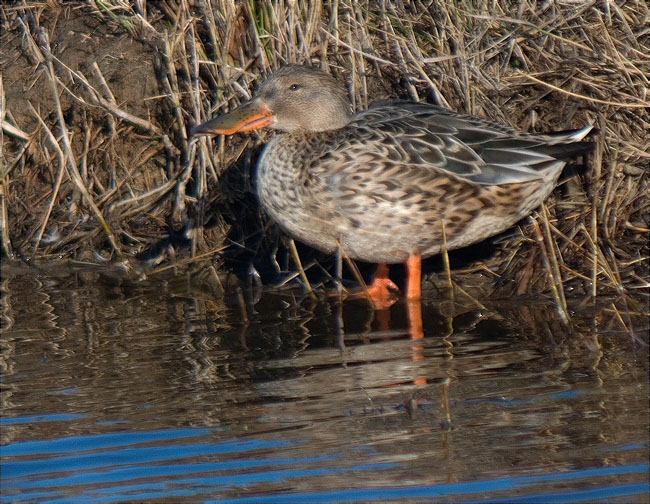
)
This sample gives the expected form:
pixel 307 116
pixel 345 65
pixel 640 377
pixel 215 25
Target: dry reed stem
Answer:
pixel 296 259
pixel 643 105
pixel 354 269
pixel 11 130
pixel 7 249
pixel 4 177
pixel 445 261
pixel 596 166
pixel 553 253
pixel 537 67
pixel 57 184
pixel 69 158
pixel 550 272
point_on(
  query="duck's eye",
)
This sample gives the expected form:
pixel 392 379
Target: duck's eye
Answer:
pixel 294 87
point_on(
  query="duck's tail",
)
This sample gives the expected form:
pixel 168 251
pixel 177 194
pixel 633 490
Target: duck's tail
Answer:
pixel 574 135
pixel 566 144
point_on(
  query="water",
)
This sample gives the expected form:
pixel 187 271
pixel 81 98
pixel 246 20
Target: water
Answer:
pixel 120 391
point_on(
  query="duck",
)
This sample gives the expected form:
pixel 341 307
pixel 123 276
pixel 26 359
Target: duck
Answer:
pixel 395 183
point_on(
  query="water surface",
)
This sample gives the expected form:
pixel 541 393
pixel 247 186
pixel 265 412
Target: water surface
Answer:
pixel 115 390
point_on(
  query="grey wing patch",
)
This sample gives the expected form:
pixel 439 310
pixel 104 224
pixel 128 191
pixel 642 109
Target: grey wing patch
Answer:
pixel 466 147
pixel 500 175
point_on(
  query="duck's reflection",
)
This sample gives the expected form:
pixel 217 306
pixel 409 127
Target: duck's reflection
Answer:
pixel 392 347
pixel 416 332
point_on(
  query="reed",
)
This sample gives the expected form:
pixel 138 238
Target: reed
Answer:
pixel 96 98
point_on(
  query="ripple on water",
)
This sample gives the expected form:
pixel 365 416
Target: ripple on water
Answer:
pixel 116 391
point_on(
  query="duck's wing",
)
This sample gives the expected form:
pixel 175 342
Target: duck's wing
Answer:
pixel 466 147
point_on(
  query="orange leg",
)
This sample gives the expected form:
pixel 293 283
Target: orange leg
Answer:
pixel 382 290
pixel 414 307
pixel 414 277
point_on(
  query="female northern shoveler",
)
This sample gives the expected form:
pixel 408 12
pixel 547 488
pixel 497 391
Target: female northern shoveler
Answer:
pixel 386 183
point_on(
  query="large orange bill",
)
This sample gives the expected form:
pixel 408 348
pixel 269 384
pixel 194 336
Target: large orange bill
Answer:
pixel 250 116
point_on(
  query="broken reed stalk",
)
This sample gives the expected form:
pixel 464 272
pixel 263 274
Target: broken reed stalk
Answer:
pixel 11 130
pixel 4 180
pixel 445 261
pixel 553 255
pixel 356 273
pixel 296 260
pixel 639 105
pixel 7 249
pixel 550 273
pixel 169 81
pixel 189 260
pixel 191 65
pixel 107 92
pixel 69 159
pixel 57 184
pixel 469 297
pixel 596 165
pixel 107 105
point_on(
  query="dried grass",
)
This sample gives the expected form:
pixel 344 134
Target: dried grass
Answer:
pixel 99 165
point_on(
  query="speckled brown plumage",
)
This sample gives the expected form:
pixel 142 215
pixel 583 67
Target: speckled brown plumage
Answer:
pixel 382 184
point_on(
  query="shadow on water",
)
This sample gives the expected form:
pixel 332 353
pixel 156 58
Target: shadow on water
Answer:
pixel 120 391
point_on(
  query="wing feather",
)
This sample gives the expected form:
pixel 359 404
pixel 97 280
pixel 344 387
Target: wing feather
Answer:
pixel 443 142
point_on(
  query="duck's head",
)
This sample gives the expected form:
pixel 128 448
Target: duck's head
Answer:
pixel 293 98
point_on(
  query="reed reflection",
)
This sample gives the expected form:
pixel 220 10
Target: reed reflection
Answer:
pixel 430 382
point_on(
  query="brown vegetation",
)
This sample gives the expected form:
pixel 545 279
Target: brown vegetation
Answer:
pixel 96 98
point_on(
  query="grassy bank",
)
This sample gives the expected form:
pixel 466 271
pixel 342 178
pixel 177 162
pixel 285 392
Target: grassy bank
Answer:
pixel 97 96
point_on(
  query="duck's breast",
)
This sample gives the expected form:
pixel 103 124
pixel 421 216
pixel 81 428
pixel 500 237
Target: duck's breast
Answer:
pixel 292 196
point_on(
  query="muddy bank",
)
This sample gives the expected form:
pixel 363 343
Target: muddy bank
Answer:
pixel 96 99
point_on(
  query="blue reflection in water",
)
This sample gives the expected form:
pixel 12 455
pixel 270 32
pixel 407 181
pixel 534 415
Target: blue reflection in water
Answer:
pixel 124 456
pixel 210 484
pixel 472 487
pixel 602 494
pixel 539 398
pixel 55 417
pixel 106 460
pixel 96 441
pixel 135 466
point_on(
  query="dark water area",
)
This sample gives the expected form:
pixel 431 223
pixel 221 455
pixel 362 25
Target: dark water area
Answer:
pixel 116 391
